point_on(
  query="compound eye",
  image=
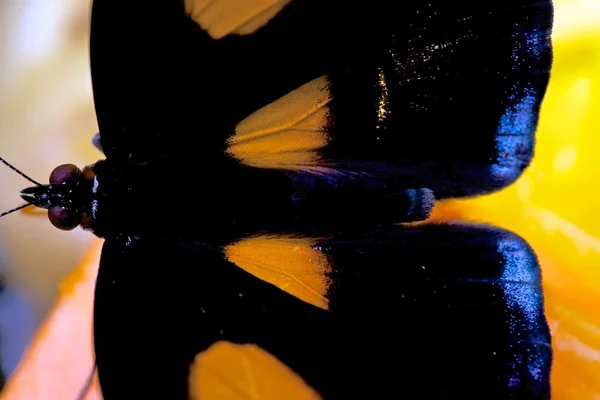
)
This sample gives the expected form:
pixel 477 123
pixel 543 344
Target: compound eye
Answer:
pixel 66 173
pixel 63 218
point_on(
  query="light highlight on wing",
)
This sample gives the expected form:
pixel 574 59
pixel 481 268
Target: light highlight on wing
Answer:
pixel 291 264
pixel 223 17
pixel 288 133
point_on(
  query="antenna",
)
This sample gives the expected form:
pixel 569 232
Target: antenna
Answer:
pixel 9 165
pixel 15 209
pixel 20 173
pixel 88 384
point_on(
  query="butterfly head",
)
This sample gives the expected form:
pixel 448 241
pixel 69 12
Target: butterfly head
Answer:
pixel 61 197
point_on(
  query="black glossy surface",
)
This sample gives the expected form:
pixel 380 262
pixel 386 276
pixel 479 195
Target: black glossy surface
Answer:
pixel 464 82
pixel 443 311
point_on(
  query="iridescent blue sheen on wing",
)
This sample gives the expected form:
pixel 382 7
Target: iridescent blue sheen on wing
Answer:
pixel 439 95
pixel 521 284
pixel 450 100
pixel 446 311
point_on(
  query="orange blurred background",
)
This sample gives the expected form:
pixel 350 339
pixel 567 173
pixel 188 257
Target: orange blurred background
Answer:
pixel 47 118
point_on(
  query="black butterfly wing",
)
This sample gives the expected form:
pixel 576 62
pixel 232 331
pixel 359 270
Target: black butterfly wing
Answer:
pixel 463 83
pixel 441 95
pixel 448 311
pixel 158 303
pixel 160 79
pixel 446 97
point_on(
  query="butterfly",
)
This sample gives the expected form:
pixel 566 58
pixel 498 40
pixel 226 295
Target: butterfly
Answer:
pixel 268 168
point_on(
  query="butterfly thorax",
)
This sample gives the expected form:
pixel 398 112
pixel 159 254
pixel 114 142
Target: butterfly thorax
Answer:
pixel 112 198
pixel 86 197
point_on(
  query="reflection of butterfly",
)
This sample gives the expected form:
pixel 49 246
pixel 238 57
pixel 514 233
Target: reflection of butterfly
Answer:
pixel 257 156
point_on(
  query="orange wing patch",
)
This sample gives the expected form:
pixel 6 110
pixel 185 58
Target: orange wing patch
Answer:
pixel 291 264
pixel 223 17
pixel 231 371
pixel 287 133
